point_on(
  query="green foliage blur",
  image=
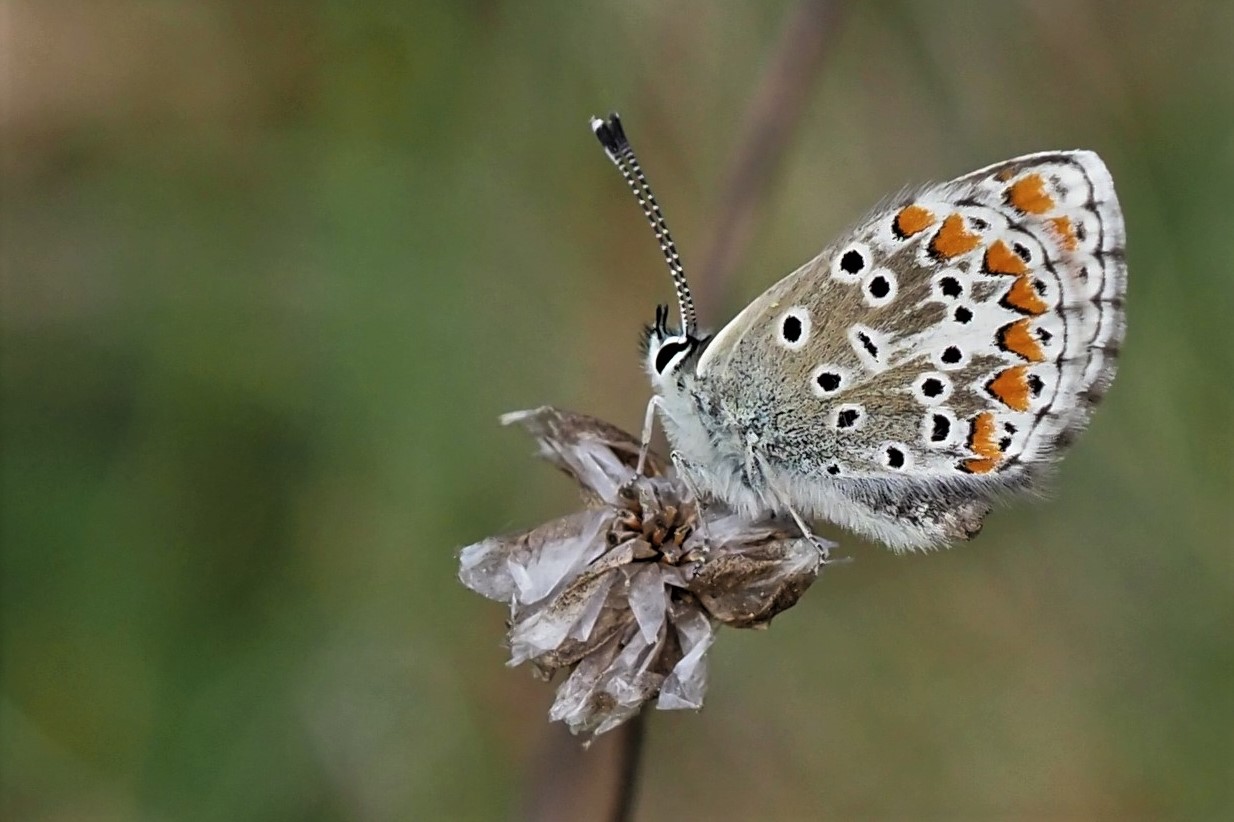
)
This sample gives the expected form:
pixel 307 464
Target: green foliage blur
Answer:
pixel 272 270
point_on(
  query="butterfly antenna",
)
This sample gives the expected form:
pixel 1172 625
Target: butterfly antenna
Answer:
pixel 613 137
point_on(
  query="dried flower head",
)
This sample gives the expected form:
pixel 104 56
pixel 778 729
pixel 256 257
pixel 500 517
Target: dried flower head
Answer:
pixel 625 594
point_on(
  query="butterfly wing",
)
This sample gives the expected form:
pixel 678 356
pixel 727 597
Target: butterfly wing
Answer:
pixel 944 350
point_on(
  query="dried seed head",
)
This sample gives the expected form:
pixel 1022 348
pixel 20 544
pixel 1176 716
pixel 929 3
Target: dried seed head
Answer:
pixel 625 595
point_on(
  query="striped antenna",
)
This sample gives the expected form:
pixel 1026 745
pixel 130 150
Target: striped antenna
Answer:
pixel 613 137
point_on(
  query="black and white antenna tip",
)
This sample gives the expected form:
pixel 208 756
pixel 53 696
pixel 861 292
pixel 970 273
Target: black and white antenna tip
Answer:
pixel 610 134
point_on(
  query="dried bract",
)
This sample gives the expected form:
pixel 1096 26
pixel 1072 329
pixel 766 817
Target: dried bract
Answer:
pixel 625 594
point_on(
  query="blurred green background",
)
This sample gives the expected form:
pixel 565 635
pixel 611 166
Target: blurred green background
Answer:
pixel 271 271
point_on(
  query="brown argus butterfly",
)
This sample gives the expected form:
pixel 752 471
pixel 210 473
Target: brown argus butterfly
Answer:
pixel 943 352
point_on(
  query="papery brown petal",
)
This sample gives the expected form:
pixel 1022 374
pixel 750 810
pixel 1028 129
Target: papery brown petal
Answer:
pixel 571 614
pixel 633 678
pixel 609 686
pixel 576 701
pixel 617 556
pixel 561 433
pixel 485 567
pixel 747 588
pixel 614 618
pixel 647 597
pixel 686 683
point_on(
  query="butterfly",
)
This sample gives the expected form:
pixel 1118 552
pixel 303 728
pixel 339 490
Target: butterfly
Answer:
pixel 939 355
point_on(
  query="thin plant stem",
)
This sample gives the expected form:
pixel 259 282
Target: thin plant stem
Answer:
pixel 629 762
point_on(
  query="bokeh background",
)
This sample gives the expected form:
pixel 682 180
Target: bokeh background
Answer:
pixel 272 270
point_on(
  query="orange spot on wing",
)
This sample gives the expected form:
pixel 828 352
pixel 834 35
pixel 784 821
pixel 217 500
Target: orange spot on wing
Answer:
pixel 913 219
pixel 999 259
pixel 1010 387
pixel 1066 233
pixel 1018 338
pixel 1023 297
pixel 981 441
pixel 953 239
pixel 1028 195
pixel 980 466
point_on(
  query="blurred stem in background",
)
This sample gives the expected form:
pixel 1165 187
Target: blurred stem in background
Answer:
pixel 570 783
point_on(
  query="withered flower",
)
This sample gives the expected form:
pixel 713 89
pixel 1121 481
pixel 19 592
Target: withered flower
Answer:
pixel 626 594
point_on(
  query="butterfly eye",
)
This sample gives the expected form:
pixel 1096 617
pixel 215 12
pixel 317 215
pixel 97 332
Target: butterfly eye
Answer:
pixel 670 350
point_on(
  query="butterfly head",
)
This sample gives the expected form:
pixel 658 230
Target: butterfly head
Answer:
pixel 668 352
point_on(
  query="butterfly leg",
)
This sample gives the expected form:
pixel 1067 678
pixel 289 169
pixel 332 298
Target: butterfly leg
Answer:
pixel 824 546
pixel 684 468
pixel 649 422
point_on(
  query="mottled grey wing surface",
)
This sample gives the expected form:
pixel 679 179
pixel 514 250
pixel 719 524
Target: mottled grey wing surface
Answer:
pixel 961 332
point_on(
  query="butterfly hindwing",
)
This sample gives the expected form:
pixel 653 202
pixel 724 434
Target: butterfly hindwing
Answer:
pixel 958 336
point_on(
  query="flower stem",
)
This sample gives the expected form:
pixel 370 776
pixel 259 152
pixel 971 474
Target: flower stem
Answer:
pixel 629 758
